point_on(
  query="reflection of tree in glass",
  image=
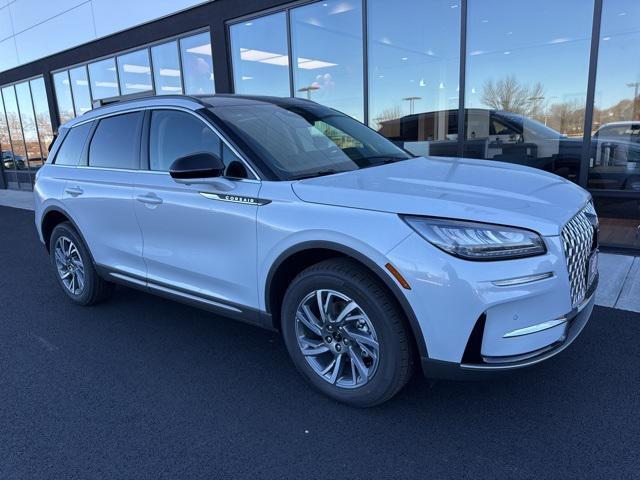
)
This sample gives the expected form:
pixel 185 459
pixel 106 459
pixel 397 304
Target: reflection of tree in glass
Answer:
pixel 510 95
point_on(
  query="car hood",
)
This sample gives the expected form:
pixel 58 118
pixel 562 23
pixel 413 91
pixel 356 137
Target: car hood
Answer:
pixel 477 190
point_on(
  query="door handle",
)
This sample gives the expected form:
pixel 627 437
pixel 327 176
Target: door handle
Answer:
pixel 74 191
pixel 149 199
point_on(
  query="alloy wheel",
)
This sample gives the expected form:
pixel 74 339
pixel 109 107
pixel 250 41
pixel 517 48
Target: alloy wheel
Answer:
pixel 69 265
pixel 337 338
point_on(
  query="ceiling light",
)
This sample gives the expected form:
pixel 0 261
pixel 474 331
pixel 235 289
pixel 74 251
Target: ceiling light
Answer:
pixel 136 68
pixel 169 72
pixel 204 49
pixel 309 64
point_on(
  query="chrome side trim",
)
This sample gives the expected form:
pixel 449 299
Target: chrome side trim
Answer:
pixel 127 278
pixel 195 298
pixel 535 328
pixel 159 288
pixel 508 282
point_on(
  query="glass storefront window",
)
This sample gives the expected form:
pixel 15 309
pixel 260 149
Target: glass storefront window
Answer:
pixel 614 159
pixel 63 96
pixel 526 82
pixel 197 64
pixel 80 89
pixel 6 152
pixel 327 54
pixel 414 68
pixel 260 57
pixel 166 68
pixel 43 116
pixel 28 122
pixel 134 72
pixel 104 81
pixel 18 150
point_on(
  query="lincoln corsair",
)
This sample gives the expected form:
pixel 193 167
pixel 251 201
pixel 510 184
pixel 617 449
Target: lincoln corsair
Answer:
pixel 289 215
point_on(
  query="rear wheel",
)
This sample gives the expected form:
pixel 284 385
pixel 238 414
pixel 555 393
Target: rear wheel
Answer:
pixel 346 334
pixel 74 268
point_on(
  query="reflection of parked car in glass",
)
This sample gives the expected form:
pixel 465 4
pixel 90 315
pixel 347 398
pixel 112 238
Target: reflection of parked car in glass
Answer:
pixel 515 138
pixel 615 156
pixel 490 134
pixel 10 161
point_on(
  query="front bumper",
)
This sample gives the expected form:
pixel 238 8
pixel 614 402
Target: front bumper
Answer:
pixel 473 322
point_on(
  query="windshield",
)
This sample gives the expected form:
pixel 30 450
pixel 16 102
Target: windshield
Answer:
pixel 300 141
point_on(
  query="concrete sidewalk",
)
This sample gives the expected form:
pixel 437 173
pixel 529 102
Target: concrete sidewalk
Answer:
pixel 619 274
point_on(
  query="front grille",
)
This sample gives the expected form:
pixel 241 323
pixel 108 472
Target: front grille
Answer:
pixel 579 238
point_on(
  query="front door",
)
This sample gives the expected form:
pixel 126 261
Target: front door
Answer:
pixel 198 239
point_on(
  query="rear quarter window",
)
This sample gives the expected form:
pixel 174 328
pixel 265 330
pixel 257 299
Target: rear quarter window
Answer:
pixel 116 142
pixel 73 145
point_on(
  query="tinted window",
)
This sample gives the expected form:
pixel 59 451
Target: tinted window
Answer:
pixel 197 64
pixel 304 141
pixel 177 134
pixel 116 142
pixel 134 72
pixel 326 39
pixel 526 82
pixel 104 80
pixel 414 61
pixel 63 96
pixel 260 57
pixel 166 68
pixel 73 145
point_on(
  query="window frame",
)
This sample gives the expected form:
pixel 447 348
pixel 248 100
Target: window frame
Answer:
pixel 146 143
pixel 94 128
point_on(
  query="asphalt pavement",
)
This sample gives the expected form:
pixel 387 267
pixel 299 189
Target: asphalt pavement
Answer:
pixel 141 387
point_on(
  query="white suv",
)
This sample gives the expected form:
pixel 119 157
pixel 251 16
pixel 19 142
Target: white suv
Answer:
pixel 292 216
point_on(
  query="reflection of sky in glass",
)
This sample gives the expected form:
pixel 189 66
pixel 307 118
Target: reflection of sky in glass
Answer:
pixel 260 59
pixel 104 81
pixel 327 52
pixel 134 72
pixel 197 64
pixel 414 51
pixel 63 96
pixel 166 68
pixel 80 89
pixel 619 54
pixel 546 41
pixel 43 117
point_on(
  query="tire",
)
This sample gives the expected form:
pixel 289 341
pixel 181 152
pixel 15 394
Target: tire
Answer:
pixel 375 318
pixel 82 285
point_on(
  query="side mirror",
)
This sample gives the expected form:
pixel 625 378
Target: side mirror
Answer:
pixel 197 166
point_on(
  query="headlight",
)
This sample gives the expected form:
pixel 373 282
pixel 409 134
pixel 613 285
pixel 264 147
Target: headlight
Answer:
pixel 477 241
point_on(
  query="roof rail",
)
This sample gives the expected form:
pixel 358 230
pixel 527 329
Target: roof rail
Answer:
pixel 121 98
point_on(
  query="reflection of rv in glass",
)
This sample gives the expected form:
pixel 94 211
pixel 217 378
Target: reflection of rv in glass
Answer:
pixel 514 138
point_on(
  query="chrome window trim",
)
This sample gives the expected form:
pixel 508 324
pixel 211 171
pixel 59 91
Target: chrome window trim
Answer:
pixel 142 108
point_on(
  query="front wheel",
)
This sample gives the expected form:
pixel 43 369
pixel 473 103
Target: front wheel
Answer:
pixel 346 334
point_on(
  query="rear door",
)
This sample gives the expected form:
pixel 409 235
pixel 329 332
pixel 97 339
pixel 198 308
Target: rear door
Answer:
pixel 198 239
pixel 99 193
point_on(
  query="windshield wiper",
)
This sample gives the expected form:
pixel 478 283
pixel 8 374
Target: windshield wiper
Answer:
pixel 321 173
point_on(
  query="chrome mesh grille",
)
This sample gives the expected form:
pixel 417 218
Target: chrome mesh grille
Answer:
pixel 577 239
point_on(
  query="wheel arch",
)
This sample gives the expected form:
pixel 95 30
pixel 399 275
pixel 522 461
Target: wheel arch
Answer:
pixel 54 216
pixel 298 257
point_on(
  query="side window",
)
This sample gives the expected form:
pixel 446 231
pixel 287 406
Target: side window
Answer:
pixel 174 134
pixel 116 142
pixel 72 145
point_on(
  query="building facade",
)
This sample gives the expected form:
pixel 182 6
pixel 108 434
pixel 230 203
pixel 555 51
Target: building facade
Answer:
pixel 548 84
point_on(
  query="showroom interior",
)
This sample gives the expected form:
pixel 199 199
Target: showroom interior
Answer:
pixel 546 84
